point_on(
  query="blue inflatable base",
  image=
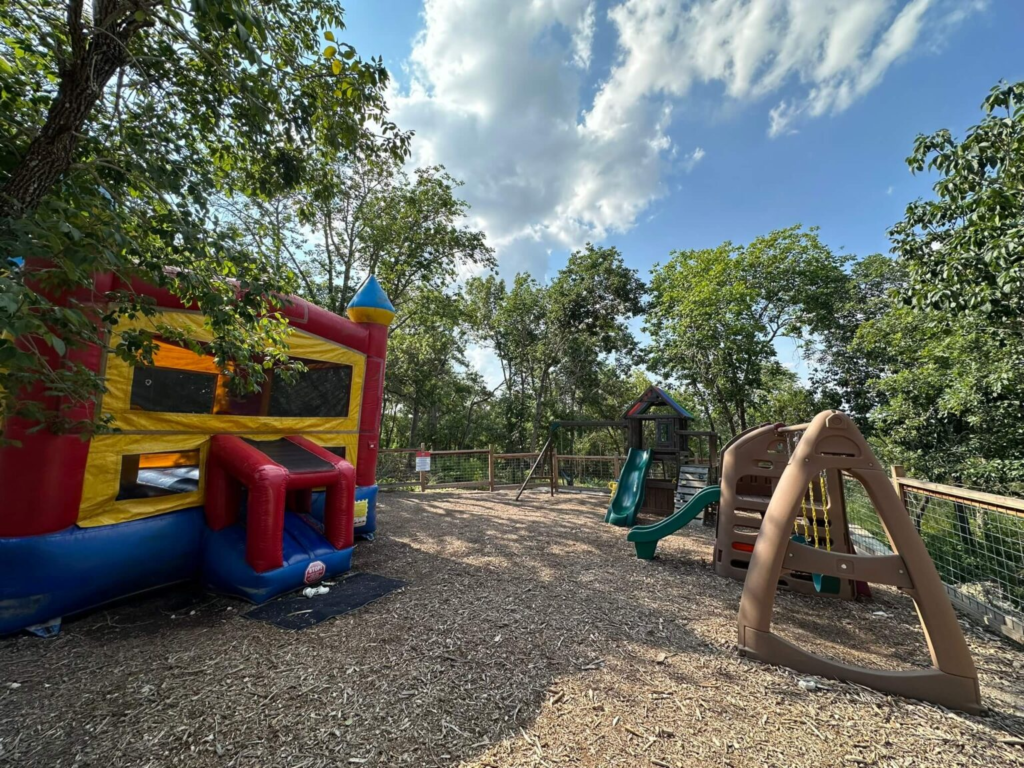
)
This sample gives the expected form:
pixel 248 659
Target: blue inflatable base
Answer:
pixel 305 551
pixel 43 578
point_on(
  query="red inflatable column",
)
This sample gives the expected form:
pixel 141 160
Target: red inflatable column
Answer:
pixel 41 477
pixel 232 461
pixel 373 402
pixel 340 498
pixel 372 309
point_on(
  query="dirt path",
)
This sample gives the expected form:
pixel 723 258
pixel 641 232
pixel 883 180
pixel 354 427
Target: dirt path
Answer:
pixel 529 635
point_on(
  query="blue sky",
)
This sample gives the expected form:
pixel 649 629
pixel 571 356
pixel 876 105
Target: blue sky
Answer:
pixel 656 125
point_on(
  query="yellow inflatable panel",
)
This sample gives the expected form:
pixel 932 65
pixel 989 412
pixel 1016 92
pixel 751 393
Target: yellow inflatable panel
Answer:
pixel 147 432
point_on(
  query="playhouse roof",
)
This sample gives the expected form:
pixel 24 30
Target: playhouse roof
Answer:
pixel 651 397
pixel 371 304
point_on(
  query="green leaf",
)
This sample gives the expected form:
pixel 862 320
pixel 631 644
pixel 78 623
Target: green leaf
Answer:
pixel 58 345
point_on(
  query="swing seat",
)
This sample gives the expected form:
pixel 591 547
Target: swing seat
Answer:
pixel 827 585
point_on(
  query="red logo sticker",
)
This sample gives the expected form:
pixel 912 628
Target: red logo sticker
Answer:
pixel 314 572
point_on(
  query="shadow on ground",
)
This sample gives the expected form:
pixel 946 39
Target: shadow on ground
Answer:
pixel 529 634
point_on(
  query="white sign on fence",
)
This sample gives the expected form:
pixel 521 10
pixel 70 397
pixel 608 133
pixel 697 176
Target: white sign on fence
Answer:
pixel 422 461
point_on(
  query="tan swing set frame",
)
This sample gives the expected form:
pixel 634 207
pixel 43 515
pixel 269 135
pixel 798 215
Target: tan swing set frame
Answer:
pixel 832 444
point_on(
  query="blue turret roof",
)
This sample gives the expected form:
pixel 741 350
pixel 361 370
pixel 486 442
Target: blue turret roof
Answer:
pixel 371 295
pixel 371 304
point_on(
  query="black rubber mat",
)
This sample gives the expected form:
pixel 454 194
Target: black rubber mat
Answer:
pixel 294 611
pixel 292 457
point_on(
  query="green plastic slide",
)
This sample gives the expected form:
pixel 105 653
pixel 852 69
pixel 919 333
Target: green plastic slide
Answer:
pixel 646 537
pixel 629 493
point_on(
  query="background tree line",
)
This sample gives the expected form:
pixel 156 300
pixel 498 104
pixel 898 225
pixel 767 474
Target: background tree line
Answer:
pixel 924 347
pixel 186 143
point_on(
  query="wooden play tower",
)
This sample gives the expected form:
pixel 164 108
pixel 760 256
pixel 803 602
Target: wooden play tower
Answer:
pixel 657 422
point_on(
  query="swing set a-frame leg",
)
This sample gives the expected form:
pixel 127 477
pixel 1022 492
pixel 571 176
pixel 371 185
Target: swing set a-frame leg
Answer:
pixel 832 442
pixel 538 463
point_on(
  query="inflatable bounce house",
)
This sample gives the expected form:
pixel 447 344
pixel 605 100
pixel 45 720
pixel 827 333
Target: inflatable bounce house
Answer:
pixel 253 496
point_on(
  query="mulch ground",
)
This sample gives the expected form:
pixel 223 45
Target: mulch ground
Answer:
pixel 529 635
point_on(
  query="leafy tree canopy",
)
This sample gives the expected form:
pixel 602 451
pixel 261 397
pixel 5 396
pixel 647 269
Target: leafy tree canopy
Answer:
pixel 122 124
pixel 964 250
pixel 715 313
pixel 555 337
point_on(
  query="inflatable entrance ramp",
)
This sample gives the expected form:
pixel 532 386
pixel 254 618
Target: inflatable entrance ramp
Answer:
pixel 271 549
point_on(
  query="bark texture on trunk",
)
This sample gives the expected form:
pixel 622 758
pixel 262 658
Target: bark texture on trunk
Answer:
pixel 82 80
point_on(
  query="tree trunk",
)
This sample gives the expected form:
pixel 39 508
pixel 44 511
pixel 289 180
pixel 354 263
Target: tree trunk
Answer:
pixel 726 410
pixel 391 426
pixel 538 408
pixel 710 418
pixel 469 424
pixel 432 425
pixel 329 261
pixel 384 404
pixel 51 152
pixel 415 423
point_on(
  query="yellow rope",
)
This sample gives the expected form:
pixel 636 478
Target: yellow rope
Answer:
pixel 810 490
pixel 824 506
pixel 802 520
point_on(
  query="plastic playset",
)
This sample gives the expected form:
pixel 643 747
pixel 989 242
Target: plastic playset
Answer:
pixel 253 496
pixel 782 523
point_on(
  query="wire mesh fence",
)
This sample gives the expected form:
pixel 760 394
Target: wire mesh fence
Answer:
pixel 511 469
pixel 976 541
pixel 588 473
pixel 453 468
pixel 866 529
pixel 397 469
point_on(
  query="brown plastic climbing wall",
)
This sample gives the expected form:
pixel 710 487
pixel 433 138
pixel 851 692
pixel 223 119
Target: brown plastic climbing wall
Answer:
pixel 752 464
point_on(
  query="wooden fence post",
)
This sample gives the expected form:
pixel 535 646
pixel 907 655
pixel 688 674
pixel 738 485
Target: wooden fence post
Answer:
pixel 490 468
pixel 423 475
pixel 898 472
pixel 554 470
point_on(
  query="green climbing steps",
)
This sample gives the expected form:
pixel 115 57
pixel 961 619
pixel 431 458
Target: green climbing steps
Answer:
pixel 629 493
pixel 646 537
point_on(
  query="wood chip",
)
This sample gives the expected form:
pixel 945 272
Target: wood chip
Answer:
pixel 524 629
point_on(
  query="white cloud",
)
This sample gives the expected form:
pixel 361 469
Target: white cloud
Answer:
pixel 484 362
pixel 691 160
pixel 557 147
pixel 583 37
pixel 780 119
